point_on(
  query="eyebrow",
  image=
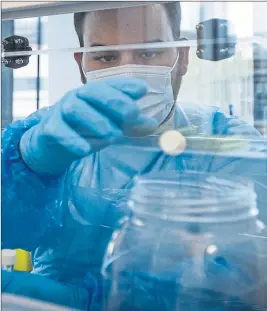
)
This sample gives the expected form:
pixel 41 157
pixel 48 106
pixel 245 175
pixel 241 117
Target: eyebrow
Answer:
pixel 149 41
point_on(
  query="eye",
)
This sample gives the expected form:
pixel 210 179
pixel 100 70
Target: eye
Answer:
pixel 106 58
pixel 150 54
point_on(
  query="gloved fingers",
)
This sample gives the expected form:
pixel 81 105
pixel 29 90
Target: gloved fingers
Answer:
pixel 60 133
pixel 91 124
pixel 233 265
pixel 242 130
pixel 142 126
pixel 87 121
pixel 135 88
pixel 115 104
pixel 41 288
pixel 238 127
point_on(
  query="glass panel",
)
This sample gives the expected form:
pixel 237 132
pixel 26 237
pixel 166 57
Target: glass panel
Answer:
pixel 154 140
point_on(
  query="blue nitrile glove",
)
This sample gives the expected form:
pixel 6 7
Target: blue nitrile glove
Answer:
pixel 84 121
pixel 239 270
pixel 44 289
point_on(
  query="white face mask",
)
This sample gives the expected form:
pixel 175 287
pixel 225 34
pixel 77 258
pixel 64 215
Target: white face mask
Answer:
pixel 159 99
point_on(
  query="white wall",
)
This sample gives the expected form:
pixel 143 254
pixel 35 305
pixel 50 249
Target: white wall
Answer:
pixel 63 71
pixel 260 24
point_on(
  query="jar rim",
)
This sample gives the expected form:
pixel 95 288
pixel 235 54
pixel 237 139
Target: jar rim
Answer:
pixel 191 194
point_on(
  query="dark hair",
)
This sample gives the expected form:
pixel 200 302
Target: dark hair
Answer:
pixel 173 10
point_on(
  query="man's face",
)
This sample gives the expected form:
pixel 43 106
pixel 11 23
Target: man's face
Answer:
pixel 131 26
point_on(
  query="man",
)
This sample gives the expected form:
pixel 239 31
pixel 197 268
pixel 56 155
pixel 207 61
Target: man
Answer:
pixel 63 180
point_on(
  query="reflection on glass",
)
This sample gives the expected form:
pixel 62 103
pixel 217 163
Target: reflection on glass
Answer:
pixel 200 257
pixel 69 171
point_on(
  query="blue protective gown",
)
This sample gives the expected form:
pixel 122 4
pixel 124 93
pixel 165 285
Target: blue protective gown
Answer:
pixel 66 221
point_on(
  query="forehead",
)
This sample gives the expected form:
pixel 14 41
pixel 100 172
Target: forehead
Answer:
pixel 127 25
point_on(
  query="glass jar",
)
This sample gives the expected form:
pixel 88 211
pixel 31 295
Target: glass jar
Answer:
pixel 193 243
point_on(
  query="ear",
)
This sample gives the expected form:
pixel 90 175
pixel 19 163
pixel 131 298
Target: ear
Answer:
pixel 78 59
pixel 183 60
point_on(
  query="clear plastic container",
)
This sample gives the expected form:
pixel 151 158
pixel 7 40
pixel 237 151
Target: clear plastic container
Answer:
pixel 194 243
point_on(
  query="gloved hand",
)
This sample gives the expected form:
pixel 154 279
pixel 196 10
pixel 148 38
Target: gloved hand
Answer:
pixel 84 121
pixel 227 279
pixel 44 289
pixel 238 270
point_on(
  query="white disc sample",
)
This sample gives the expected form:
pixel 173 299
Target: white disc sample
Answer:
pixel 172 142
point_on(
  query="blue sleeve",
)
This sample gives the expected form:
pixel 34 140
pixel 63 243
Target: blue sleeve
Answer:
pixel 30 205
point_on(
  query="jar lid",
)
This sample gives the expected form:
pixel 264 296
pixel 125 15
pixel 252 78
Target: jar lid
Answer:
pixel 8 257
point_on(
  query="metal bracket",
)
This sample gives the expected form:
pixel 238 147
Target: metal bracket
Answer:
pixel 217 31
pixel 15 44
pixel 222 40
